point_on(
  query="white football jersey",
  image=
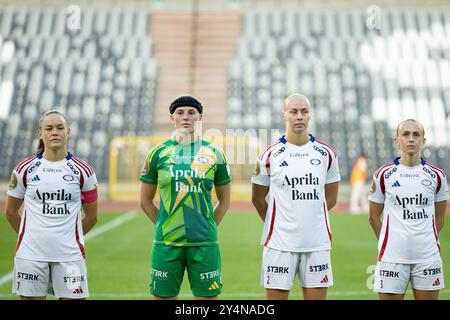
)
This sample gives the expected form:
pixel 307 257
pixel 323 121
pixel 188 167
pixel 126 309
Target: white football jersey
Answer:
pixel 297 215
pixel 53 193
pixel 408 233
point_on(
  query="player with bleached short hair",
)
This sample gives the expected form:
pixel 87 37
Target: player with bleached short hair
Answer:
pixel 301 176
pixel 413 195
pixel 54 187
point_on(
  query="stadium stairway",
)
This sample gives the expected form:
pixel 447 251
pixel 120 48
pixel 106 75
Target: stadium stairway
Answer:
pixel 193 59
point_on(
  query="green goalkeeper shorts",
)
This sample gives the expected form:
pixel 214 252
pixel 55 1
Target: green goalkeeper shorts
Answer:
pixel 203 267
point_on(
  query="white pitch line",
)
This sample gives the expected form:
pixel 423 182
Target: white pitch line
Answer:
pixel 91 235
pixel 111 225
pixel 6 278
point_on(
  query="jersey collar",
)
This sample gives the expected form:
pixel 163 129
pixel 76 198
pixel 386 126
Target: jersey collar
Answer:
pixel 283 138
pixel 397 161
pixel 40 155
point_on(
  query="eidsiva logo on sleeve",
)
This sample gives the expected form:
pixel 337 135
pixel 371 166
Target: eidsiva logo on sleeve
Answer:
pixel 13 182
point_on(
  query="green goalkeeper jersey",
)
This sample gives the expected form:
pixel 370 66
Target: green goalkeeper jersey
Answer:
pixel 185 174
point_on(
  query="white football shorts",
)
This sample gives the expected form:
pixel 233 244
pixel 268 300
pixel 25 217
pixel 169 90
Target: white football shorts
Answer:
pixel 395 277
pixel 63 279
pixel 280 267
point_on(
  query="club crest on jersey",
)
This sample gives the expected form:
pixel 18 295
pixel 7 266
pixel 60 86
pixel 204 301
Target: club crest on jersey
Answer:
pixel 202 160
pixel 13 181
pixel 315 162
pixel 68 177
pixel 426 183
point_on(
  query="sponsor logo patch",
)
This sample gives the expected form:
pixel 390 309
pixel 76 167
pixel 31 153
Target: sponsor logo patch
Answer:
pixel 214 286
pixel 396 184
pixel 257 170
pixel 280 151
pixel 284 164
pixel 373 187
pixel 13 181
pixel 145 168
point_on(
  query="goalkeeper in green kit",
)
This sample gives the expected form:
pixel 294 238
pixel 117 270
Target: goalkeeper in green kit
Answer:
pixel 185 168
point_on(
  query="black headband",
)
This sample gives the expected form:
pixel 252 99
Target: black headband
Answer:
pixel 186 101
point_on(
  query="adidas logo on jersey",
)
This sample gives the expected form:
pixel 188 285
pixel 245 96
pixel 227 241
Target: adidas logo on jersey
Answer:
pixel 436 283
pixel 396 184
pixel 79 290
pixel 284 164
pixel 325 279
pixel 214 286
pixel 35 178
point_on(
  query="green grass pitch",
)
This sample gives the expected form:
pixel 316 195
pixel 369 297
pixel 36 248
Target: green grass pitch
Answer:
pixel 118 260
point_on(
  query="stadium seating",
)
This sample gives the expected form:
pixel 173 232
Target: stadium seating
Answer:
pixel 361 81
pixel 103 77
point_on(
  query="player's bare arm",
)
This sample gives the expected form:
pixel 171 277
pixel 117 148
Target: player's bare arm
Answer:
pixel 223 202
pixel 12 212
pixel 90 215
pixel 331 194
pixel 259 201
pixel 440 208
pixel 148 192
pixel 375 211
